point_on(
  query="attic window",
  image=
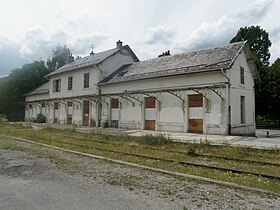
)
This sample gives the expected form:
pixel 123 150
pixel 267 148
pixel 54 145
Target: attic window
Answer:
pixel 242 76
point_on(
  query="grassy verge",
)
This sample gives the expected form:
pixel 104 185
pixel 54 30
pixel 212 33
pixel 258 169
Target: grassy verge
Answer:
pixel 154 147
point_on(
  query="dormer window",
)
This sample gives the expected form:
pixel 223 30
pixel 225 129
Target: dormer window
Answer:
pixel 56 85
pixel 86 80
pixel 242 76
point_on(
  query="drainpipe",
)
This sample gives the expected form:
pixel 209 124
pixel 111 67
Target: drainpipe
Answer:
pixel 229 107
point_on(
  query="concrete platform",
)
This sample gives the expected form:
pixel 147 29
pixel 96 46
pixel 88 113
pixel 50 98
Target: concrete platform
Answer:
pixel 260 141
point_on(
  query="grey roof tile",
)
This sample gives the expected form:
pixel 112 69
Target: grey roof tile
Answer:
pixel 43 89
pixel 183 63
pixel 90 60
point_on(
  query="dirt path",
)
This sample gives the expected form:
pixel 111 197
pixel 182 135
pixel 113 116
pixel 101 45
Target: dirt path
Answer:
pixel 41 178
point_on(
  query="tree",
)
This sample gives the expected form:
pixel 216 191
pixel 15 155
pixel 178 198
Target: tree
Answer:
pixel 25 79
pixel 274 91
pixel 19 82
pixel 258 40
pixel 59 57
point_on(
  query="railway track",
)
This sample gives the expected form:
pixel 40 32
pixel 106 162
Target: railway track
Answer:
pixel 170 150
pixel 163 159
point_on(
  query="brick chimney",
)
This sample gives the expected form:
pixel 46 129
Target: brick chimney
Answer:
pixel 70 58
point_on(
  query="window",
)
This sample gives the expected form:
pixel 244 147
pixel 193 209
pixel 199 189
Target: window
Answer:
pixel 56 106
pixel 86 80
pixel 150 102
pixel 43 105
pixel 114 103
pixel 57 85
pixel 242 109
pixel 70 83
pixel 242 75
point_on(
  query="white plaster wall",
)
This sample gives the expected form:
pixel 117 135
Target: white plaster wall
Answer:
pixel 78 113
pixel 78 83
pixel 165 82
pixel 62 118
pixel 114 62
pixel 172 114
pixel 238 90
pixel 37 97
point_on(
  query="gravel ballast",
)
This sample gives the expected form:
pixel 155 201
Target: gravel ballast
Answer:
pixel 69 181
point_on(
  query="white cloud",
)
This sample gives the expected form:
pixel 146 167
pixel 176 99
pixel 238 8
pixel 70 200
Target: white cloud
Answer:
pixel 161 34
pixel 220 32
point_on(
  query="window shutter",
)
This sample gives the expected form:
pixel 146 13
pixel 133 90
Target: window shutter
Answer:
pixel 150 102
pixel 114 103
pixel 59 85
pixel 196 100
pixel 54 82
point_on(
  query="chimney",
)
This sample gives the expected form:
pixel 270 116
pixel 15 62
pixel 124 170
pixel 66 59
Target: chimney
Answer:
pixel 165 53
pixel 70 58
pixel 119 44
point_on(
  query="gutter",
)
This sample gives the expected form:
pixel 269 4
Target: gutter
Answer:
pixel 229 106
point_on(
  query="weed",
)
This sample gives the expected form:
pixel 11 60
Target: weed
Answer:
pixel 155 139
pixel 192 151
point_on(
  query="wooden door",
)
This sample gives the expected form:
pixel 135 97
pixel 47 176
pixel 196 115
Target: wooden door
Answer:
pixel 195 113
pixel 150 125
pixel 86 113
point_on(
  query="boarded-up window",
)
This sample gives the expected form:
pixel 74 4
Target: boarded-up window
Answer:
pixel 196 100
pixel 114 103
pixel 195 125
pixel 150 102
pixel 150 125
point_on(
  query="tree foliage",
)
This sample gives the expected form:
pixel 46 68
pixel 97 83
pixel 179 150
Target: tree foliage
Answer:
pixel 258 40
pixel 273 86
pixel 59 57
pixel 24 80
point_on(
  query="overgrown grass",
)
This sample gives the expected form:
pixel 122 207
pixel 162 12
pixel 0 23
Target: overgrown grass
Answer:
pixel 155 139
pixel 153 145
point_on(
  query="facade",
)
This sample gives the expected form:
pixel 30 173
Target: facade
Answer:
pixel 208 91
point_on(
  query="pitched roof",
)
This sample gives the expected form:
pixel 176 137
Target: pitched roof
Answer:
pixel 91 60
pixel 208 59
pixel 43 89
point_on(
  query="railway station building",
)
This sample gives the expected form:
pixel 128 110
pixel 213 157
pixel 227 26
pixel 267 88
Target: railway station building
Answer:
pixel 208 91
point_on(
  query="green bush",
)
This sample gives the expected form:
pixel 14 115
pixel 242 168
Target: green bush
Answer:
pixel 92 122
pixel 105 124
pixel 40 118
pixel 155 139
pixel 192 151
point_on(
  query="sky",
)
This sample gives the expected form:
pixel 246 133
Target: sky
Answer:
pixel 30 29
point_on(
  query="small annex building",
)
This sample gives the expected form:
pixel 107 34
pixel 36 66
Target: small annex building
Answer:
pixel 208 91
